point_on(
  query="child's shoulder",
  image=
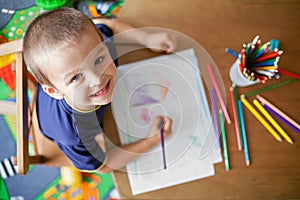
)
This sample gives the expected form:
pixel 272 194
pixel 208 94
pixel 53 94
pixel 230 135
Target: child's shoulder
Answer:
pixel 55 118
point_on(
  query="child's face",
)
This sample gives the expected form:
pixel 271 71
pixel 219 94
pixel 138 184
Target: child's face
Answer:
pixel 85 74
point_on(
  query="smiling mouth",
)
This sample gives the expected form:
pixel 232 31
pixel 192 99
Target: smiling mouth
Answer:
pixel 102 92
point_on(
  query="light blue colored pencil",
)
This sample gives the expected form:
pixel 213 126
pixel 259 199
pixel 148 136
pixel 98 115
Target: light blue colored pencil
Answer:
pixel 243 127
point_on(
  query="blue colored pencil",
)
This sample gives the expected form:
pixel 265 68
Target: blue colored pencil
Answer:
pixel 272 45
pixel 232 52
pixel 246 151
pixel 260 52
pixel 276 45
pixel 262 64
pixel 161 126
pixel 281 118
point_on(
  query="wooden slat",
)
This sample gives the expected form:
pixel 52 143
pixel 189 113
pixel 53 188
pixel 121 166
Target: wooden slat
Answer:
pixel 11 47
pixel 22 115
pixel 36 159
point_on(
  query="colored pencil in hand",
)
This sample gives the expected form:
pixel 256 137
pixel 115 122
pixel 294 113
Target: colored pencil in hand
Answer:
pixel 161 127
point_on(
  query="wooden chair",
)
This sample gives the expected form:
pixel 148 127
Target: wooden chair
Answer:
pixel 46 151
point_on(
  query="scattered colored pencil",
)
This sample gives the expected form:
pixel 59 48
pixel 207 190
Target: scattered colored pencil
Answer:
pixel 264 101
pixel 289 74
pixel 270 87
pixel 236 98
pixel 260 119
pixel 212 76
pixel 215 114
pixel 281 118
pixel 225 150
pixel 231 52
pixel 243 127
pixel 272 121
pixel 235 116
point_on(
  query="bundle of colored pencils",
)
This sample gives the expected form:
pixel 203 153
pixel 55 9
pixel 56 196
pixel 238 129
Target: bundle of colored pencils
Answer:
pixel 259 62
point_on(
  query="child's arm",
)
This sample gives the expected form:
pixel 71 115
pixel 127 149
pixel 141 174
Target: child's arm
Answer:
pixel 118 157
pixel 156 41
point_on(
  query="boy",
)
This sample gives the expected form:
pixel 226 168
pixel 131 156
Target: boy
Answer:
pixel 66 53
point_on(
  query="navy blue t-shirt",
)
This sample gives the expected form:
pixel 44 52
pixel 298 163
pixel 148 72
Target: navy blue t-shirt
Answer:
pixel 73 131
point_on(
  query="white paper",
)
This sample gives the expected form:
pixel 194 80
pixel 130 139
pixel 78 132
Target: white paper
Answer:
pixel 167 85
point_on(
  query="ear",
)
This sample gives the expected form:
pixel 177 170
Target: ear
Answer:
pixel 52 92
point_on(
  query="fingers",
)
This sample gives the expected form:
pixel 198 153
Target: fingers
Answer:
pixel 170 44
pixel 160 123
pixel 162 42
pixel 167 125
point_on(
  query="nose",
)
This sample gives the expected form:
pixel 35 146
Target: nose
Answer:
pixel 94 79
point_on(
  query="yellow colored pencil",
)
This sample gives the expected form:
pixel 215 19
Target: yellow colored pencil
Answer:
pixel 272 121
pixel 260 118
pixel 264 68
pixel 264 101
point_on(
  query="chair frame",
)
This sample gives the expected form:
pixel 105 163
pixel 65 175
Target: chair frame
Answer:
pixel 20 108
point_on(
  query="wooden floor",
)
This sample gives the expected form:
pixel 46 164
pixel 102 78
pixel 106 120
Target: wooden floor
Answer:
pixel 274 172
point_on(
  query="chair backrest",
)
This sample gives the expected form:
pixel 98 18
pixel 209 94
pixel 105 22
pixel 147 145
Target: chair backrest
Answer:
pixel 20 109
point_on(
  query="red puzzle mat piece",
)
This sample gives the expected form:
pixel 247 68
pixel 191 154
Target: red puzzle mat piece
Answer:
pixel 8 76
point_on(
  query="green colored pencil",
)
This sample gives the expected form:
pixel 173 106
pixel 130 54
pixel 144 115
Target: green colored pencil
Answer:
pixel 277 85
pixel 225 150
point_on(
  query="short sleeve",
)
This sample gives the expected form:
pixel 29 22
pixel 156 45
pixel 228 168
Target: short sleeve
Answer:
pixel 84 158
pixel 105 30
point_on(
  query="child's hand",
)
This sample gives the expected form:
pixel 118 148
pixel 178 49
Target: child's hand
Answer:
pixel 160 121
pixel 161 42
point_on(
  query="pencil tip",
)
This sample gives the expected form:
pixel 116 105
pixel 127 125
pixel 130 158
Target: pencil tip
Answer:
pixel 291 142
pixel 247 162
pixel 279 139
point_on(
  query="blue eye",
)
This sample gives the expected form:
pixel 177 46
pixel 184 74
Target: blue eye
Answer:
pixel 98 60
pixel 76 78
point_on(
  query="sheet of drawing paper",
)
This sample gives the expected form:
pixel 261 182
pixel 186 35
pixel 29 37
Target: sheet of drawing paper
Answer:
pixel 168 85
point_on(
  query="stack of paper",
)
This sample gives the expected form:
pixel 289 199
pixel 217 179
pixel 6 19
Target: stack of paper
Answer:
pixel 168 85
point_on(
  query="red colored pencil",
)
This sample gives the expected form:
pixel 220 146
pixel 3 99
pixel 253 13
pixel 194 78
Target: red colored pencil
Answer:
pixel 270 55
pixel 289 73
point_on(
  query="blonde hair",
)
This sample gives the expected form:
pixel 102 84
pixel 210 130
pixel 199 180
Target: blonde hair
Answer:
pixel 51 32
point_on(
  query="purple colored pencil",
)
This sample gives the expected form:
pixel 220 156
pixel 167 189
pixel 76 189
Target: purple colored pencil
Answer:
pixel 281 118
pixel 161 127
pixel 215 115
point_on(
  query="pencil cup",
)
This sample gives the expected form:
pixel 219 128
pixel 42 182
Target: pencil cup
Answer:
pixel 238 78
